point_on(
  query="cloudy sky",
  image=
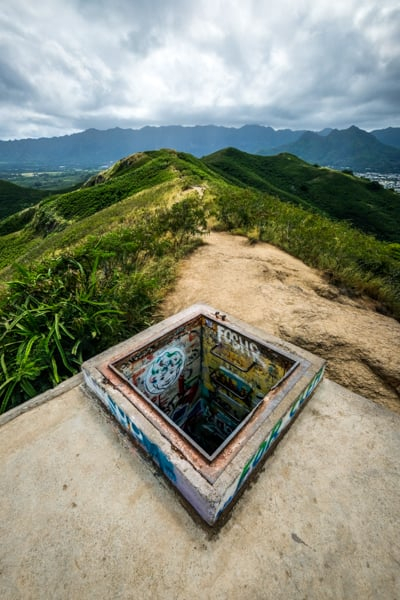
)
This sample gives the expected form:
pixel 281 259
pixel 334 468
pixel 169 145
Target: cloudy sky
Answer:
pixel 67 65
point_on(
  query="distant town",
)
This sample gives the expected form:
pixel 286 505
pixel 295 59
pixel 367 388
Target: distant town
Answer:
pixel 390 181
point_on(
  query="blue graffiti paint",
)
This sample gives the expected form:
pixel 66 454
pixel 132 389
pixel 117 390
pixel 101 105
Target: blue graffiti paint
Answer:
pixel 127 423
pixel 153 450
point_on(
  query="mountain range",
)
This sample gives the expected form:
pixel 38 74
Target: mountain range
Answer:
pixel 350 148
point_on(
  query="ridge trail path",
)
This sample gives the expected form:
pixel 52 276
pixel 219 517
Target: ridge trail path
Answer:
pixel 268 288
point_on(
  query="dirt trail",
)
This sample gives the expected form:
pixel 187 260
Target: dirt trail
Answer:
pixel 268 288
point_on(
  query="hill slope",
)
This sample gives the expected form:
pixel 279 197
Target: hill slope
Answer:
pixel 95 263
pixel 63 219
pixel 363 203
pixel 14 198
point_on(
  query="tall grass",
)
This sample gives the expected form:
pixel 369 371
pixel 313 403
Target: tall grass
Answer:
pixel 370 208
pixel 52 317
pixel 62 310
pixel 349 258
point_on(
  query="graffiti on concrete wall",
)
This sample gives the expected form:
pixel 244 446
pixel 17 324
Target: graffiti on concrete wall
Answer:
pixel 246 370
pixel 276 431
pixel 206 378
pixel 164 370
pixel 236 374
pixel 167 372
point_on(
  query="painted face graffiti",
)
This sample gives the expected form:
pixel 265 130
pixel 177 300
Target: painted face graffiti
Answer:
pixel 164 370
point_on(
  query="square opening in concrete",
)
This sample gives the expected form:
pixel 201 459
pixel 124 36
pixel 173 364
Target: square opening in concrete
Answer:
pixel 206 379
pixel 207 397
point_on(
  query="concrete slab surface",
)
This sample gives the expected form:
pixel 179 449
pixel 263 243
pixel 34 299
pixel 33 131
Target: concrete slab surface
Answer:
pixel 83 515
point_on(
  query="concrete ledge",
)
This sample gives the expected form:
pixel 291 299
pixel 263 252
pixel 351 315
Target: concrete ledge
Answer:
pixel 83 515
pixel 60 389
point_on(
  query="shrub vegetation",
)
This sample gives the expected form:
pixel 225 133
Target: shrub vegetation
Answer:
pixel 83 270
pixel 349 258
pixel 63 310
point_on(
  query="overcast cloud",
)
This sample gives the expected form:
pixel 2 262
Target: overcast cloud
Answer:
pixel 67 65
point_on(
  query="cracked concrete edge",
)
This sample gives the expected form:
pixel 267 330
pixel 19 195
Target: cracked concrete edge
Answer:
pixel 46 396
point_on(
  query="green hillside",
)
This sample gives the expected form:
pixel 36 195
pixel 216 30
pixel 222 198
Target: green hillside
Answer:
pixel 364 204
pixel 83 270
pixel 14 198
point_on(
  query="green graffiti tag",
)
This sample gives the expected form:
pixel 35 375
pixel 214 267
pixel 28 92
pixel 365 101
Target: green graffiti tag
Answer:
pixel 278 429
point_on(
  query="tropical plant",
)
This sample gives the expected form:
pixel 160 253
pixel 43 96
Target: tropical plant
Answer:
pixel 51 319
pixel 63 310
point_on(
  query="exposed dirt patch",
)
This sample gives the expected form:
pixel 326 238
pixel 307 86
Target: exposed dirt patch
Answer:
pixel 270 289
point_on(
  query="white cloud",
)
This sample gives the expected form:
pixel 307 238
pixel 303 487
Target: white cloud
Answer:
pixel 67 65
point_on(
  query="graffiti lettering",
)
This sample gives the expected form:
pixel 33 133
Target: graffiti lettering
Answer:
pixel 154 451
pixel 238 343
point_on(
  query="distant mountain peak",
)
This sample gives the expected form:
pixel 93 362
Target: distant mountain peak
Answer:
pixel 351 148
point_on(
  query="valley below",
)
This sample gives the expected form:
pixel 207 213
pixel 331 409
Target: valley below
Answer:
pixel 270 289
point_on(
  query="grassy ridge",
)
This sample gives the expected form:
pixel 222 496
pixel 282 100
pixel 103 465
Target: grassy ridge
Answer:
pixel 350 259
pixel 113 196
pixel 364 204
pixel 93 264
pixel 126 178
